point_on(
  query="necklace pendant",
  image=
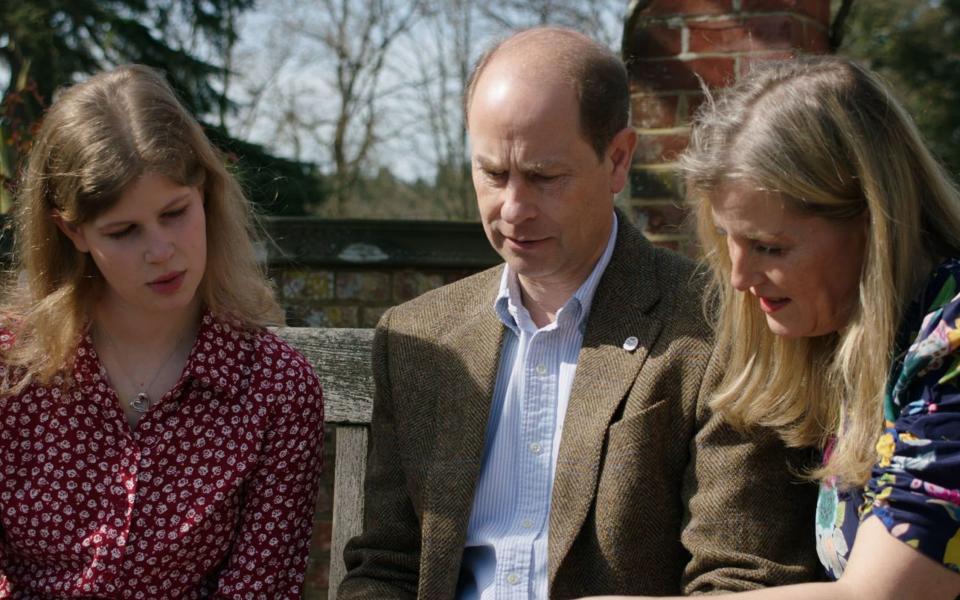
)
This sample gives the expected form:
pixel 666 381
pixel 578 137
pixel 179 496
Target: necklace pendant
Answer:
pixel 141 403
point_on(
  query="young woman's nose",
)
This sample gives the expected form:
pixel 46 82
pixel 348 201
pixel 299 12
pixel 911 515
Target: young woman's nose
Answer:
pixel 159 249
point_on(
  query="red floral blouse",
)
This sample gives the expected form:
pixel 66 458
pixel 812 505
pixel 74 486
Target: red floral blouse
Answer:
pixel 211 496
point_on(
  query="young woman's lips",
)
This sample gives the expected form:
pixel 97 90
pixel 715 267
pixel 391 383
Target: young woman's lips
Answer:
pixel 167 284
pixel 772 305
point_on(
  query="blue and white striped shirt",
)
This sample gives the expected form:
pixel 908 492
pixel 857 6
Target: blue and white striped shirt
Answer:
pixel 506 551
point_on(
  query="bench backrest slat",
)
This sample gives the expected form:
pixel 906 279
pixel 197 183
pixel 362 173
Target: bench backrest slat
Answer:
pixel 341 358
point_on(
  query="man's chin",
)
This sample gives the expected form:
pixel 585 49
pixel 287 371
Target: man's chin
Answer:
pixel 529 270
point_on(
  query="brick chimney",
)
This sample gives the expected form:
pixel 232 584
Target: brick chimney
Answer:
pixel 668 44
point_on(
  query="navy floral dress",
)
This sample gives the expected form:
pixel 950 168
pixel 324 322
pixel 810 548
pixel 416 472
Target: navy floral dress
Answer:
pixel 914 488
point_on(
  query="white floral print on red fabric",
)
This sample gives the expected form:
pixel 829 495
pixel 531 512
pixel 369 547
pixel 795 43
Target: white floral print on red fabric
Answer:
pixel 211 495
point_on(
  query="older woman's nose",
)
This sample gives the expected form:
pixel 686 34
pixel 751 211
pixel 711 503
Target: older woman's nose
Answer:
pixel 743 274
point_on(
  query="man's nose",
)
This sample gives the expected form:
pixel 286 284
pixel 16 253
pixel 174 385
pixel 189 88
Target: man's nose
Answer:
pixel 743 273
pixel 518 200
pixel 160 248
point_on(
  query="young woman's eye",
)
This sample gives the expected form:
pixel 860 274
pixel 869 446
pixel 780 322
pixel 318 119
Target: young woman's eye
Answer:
pixel 120 234
pixel 172 214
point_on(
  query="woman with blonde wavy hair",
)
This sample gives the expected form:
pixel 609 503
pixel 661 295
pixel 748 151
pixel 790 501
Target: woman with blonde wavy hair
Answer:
pixel 156 441
pixel 834 239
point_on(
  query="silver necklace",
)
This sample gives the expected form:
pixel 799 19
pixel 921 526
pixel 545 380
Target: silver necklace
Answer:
pixel 142 401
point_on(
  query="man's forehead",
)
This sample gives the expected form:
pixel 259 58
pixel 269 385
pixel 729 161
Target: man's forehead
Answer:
pixel 519 100
pixel 531 64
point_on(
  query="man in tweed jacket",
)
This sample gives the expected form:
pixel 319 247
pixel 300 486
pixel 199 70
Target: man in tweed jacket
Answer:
pixel 542 428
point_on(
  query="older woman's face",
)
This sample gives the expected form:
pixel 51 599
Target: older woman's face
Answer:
pixel 802 271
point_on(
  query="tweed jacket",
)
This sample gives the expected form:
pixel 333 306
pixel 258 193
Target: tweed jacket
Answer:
pixel 653 494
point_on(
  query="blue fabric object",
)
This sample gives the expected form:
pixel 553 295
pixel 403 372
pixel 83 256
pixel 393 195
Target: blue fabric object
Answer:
pixel 914 488
pixel 505 556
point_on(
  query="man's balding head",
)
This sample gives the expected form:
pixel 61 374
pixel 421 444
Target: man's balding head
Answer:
pixel 595 74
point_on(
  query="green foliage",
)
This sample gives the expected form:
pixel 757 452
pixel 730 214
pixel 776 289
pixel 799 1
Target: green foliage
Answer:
pixel 45 44
pixel 384 195
pixel 278 186
pixel 915 44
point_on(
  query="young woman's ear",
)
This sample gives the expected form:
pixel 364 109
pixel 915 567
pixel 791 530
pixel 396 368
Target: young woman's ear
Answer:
pixel 74 233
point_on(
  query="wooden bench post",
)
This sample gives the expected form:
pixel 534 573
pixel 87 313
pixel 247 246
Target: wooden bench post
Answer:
pixel 342 360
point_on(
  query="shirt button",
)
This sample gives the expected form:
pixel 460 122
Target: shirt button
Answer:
pixel 527 524
pixel 536 448
pixel 513 579
pixel 542 369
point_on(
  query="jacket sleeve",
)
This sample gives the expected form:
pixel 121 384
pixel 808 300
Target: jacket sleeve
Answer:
pixel 750 517
pixel 383 562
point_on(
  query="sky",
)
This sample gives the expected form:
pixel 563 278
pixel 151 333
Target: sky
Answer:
pixel 298 74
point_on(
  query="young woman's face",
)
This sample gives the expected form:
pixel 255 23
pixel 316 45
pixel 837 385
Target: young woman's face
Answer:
pixel 150 247
pixel 802 271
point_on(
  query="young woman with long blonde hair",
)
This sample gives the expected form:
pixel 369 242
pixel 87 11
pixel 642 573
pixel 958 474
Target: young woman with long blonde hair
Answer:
pixel 156 441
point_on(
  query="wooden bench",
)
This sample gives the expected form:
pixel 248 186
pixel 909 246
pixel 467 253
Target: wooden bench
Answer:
pixel 342 360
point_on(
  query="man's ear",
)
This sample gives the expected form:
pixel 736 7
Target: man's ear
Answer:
pixel 620 153
pixel 74 233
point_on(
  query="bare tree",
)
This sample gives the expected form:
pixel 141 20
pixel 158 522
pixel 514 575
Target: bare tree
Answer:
pixel 359 34
pixel 258 62
pixel 448 42
pixel 359 86
pixel 319 94
pixel 443 54
pixel 600 19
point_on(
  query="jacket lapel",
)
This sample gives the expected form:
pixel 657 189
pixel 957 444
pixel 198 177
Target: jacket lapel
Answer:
pixel 605 372
pixel 467 381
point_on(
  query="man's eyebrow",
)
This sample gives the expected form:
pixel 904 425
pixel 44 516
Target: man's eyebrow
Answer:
pixel 486 162
pixel 536 166
pixel 531 166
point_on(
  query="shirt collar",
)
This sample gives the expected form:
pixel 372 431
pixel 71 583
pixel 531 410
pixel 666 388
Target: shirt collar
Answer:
pixel 222 354
pixel 514 315
pixel 220 358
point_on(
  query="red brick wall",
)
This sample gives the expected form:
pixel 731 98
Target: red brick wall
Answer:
pixel 673 42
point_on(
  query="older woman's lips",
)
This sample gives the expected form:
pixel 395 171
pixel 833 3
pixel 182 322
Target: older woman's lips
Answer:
pixel 772 305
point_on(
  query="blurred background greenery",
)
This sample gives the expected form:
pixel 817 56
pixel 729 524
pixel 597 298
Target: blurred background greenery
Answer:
pixel 915 44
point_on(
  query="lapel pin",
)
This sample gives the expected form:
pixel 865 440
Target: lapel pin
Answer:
pixel 630 344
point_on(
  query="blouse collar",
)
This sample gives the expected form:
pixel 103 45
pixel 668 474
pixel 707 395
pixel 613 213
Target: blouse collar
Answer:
pixel 221 357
